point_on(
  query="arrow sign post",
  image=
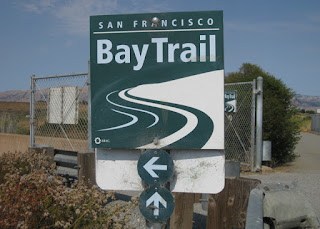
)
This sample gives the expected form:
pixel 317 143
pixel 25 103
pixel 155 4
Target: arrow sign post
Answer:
pixel 155 167
pixel 156 204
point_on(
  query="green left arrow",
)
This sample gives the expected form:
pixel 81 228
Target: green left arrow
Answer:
pixel 155 166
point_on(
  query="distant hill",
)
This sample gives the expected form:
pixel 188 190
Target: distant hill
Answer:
pixel 301 101
pixel 15 96
pixel 307 102
pixel 24 95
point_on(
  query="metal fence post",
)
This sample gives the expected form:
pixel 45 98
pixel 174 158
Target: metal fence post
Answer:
pixel 259 122
pixel 253 125
pixel 90 149
pixel 240 124
pixel 32 99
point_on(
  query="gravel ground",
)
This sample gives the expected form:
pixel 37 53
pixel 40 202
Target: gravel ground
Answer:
pixel 304 171
pixel 308 184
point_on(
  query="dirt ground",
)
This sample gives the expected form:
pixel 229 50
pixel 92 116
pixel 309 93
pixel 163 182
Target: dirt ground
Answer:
pixel 308 156
pixel 14 142
pixel 307 160
pixel 20 143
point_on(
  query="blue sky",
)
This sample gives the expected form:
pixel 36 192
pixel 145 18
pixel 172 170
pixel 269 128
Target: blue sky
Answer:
pixel 49 37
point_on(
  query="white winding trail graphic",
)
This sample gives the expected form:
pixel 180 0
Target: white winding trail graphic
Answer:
pixel 192 122
pixel 133 121
pixel 156 117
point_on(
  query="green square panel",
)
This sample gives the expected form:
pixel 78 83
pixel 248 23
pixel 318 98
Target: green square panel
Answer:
pixel 157 80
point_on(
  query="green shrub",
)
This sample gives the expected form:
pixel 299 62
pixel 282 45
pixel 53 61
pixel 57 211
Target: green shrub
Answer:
pixel 280 122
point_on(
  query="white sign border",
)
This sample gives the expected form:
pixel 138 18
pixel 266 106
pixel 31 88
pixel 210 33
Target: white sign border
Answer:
pixel 196 171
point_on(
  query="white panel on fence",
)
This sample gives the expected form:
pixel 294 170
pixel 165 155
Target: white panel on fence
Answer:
pixel 70 105
pixel 196 171
pixel 55 105
pixel 63 105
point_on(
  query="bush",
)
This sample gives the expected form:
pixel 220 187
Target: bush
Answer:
pixel 280 123
pixel 305 120
pixel 31 196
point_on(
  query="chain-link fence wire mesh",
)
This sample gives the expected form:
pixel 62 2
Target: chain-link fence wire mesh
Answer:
pixel 61 115
pixel 60 111
pixel 238 123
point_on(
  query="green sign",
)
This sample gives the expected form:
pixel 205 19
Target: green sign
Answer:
pixel 230 99
pixel 156 204
pixel 157 80
pixel 155 167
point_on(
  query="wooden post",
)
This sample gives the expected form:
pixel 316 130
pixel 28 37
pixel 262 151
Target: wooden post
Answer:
pixel 197 197
pixel 228 209
pixel 87 171
pixel 182 216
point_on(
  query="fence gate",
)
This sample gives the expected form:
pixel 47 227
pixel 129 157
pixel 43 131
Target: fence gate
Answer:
pixel 240 122
pixel 59 111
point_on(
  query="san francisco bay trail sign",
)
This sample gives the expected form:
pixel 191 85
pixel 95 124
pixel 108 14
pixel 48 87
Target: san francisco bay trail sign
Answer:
pixel 157 82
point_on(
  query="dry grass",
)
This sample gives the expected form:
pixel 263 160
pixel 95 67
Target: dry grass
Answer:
pixel 13 117
pixel 19 107
pixel 305 122
pixel 14 143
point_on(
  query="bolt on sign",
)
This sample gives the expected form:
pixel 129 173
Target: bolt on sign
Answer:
pixel 157 81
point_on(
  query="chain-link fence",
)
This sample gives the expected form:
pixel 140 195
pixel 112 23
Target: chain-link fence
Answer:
pixel 240 122
pixel 59 115
pixel 59 111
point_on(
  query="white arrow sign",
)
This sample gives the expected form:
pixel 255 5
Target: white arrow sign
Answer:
pixel 156 199
pixel 150 167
